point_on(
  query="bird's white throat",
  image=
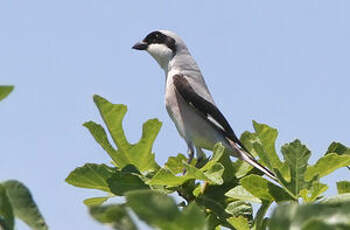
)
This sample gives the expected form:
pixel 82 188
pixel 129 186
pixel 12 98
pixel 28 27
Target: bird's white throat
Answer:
pixel 161 53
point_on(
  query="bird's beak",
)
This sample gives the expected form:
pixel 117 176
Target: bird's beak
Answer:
pixel 140 46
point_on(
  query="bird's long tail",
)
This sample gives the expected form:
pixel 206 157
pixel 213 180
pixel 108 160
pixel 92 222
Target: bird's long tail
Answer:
pixel 243 155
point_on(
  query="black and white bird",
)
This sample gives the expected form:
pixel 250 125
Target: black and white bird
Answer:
pixel 188 100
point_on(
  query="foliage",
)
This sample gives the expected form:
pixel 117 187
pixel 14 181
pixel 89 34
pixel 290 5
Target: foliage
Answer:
pixel 219 192
pixel 16 199
pixel 5 90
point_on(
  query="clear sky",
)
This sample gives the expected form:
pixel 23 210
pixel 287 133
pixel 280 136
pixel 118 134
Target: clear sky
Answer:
pixel 283 63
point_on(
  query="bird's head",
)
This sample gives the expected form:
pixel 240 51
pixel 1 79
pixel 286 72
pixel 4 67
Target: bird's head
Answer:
pixel 162 45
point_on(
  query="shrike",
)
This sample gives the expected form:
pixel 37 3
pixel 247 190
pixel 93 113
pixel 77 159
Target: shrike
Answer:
pixel 188 100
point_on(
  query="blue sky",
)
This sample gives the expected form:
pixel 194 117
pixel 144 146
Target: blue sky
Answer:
pixel 283 63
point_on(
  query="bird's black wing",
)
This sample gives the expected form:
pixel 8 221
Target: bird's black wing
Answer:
pixel 206 108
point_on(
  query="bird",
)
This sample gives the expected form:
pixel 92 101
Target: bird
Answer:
pixel 189 102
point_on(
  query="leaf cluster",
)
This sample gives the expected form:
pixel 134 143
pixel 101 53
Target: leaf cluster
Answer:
pixel 17 201
pixel 210 195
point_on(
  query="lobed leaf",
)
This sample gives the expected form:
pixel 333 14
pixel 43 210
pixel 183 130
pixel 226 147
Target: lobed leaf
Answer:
pixel 312 194
pixel 175 165
pixel 167 178
pixel 268 136
pixel 211 172
pixel 139 154
pixel 296 156
pixel 113 115
pixel 262 144
pixel 326 165
pixel 100 135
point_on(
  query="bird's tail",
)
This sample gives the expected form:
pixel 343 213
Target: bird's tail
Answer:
pixel 243 155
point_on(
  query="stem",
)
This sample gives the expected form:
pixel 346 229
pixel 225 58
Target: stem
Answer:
pixel 259 219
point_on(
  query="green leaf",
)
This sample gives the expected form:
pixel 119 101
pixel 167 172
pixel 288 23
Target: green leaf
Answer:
pixel 216 206
pixel 159 210
pixel 295 216
pixel 211 172
pixel 240 208
pixel 317 225
pixel 23 205
pixel 213 198
pixel 338 148
pixel 343 187
pixel 95 201
pixel 296 156
pixel 240 193
pixel 5 90
pixel 113 115
pixel 264 189
pixel 167 178
pixel 268 136
pixel 192 217
pixel 139 154
pixel 242 168
pixel 6 212
pixel 120 183
pixel 114 215
pixel 91 176
pixel 326 165
pixel 259 221
pixel 214 174
pixel 100 135
pixel 213 222
pixel 154 208
pixel 262 144
pixel 175 165
pixel 239 222
pixel 248 139
pixel 312 194
pixel 341 198
pixel 222 157
pixel 218 152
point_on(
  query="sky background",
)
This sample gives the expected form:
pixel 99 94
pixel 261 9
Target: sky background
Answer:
pixel 283 63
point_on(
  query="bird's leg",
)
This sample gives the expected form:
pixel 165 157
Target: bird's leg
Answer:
pixel 201 158
pixel 190 153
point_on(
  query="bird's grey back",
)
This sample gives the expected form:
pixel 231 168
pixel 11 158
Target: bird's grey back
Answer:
pixel 184 63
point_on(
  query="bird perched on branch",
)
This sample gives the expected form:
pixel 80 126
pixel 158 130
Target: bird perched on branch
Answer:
pixel 188 101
